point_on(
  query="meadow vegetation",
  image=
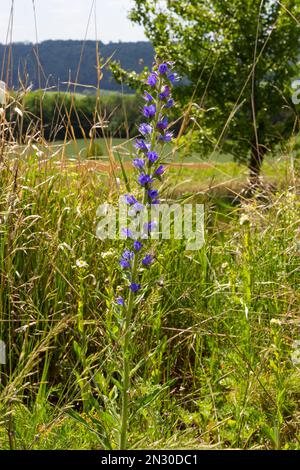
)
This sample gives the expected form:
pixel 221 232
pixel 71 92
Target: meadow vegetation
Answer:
pixel 215 341
pixel 214 350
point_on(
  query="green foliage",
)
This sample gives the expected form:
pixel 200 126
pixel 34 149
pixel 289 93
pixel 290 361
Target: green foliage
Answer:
pixel 57 115
pixel 239 58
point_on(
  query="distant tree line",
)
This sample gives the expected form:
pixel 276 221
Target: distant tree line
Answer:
pixel 55 114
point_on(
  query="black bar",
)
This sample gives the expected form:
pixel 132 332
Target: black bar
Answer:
pixel 145 458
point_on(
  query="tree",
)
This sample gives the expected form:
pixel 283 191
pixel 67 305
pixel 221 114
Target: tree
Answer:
pixel 241 56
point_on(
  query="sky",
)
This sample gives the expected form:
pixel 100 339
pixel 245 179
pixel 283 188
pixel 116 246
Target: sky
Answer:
pixel 68 19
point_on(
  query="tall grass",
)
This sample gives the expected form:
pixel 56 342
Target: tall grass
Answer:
pixel 214 342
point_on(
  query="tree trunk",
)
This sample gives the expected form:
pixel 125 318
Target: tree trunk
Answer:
pixel 256 160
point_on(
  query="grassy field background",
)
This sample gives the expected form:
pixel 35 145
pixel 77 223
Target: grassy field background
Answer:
pixel 188 171
pixel 78 148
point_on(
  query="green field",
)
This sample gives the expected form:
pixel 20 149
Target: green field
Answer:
pixel 78 148
pixel 194 175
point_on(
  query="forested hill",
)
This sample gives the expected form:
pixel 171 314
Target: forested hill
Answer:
pixel 59 62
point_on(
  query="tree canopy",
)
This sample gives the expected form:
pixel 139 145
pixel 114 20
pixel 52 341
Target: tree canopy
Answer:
pixel 239 58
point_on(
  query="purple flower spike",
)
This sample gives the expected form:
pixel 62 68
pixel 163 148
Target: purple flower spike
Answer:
pixel 153 193
pixel 138 207
pixel 145 179
pixel 150 226
pixel 139 163
pixel 124 263
pixel 163 124
pixel 127 233
pixel 167 137
pixel 152 79
pixel 147 260
pixel 135 287
pixel 152 156
pixel 169 104
pixel 142 145
pixel 146 162
pixel 148 97
pixel 130 199
pixel 165 94
pixel 145 128
pixel 120 301
pixel 173 77
pixel 127 254
pixel 149 111
pixel 137 245
pixel 163 68
pixel 159 171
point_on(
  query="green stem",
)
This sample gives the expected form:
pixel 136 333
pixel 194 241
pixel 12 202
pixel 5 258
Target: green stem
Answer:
pixel 126 363
pixel 156 119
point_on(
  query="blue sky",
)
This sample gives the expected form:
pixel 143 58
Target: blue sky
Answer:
pixel 68 19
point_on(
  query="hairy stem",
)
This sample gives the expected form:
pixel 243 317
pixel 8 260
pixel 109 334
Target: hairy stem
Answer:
pixel 126 363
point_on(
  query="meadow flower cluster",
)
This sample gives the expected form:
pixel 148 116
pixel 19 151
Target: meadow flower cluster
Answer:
pixel 147 162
